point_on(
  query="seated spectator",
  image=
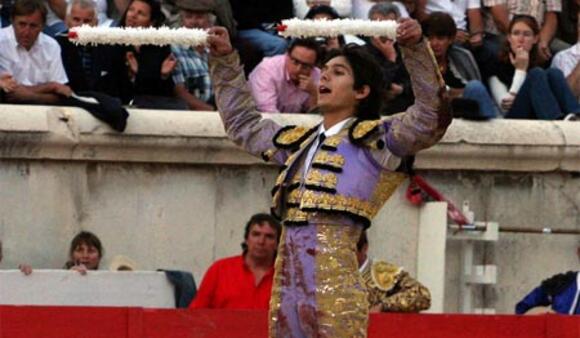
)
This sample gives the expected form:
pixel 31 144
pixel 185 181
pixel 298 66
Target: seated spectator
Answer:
pixel 287 83
pixel 256 23
pixel 390 288
pixel 520 87
pixel 191 75
pixel 568 61
pixel 557 294
pixel 90 67
pixel 361 8
pixel 456 9
pixel 85 253
pixel 458 66
pixel 149 67
pixel 245 281
pixel 31 57
pixel 546 14
pixel 342 8
pixel 386 53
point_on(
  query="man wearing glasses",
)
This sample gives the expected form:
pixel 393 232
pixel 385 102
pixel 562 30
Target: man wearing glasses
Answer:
pixel 287 83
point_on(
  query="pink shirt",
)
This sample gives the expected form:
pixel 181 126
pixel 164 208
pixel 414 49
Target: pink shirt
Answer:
pixel 273 90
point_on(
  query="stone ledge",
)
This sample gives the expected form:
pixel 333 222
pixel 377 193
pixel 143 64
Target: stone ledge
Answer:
pixel 155 136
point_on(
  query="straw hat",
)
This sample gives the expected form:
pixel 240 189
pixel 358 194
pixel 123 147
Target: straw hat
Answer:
pixel 122 263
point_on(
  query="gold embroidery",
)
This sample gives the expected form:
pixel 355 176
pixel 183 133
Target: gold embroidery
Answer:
pixel 268 154
pixel 333 141
pixel 385 275
pixel 292 135
pixel 317 178
pixel 340 293
pixel 296 215
pixel 326 201
pixel 276 298
pixel 323 157
pixel 364 127
pixel 388 182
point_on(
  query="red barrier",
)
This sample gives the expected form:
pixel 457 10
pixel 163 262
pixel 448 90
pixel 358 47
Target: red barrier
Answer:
pixel 99 322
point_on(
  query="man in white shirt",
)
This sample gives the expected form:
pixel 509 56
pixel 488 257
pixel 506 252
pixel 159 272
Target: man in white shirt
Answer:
pixel 568 61
pixel 31 57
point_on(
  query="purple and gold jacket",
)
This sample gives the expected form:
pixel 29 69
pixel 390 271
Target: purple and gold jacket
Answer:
pixel 354 172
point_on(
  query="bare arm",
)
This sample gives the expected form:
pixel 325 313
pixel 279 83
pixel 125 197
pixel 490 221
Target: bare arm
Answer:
pixel 192 102
pixel 574 80
pixel 243 124
pixel 475 26
pixel 500 16
pixel 26 94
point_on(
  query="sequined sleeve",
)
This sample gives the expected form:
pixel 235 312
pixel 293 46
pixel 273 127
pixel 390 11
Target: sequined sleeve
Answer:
pixel 425 122
pixel 409 296
pixel 243 124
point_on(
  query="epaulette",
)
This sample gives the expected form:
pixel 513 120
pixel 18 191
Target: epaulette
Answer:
pixel 366 133
pixel 385 275
pixel 291 137
pixel 558 283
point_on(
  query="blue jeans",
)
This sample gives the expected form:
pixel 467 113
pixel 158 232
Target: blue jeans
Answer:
pixel 545 95
pixel 267 43
pixel 475 90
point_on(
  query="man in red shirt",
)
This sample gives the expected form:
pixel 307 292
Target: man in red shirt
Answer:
pixel 244 281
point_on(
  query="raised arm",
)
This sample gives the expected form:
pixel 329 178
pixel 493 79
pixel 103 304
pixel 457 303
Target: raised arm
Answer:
pixel 243 124
pixel 427 119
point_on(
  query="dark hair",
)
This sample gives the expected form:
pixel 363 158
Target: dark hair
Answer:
pixel 157 16
pixel 530 21
pixel 87 238
pixel 309 43
pixel 261 219
pixel 28 7
pixel 362 241
pixel 322 9
pixel 440 24
pixel 367 72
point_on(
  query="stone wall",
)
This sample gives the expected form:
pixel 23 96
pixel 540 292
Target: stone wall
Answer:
pixel 173 192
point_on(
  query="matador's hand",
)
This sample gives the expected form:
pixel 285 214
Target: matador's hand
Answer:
pixel 219 41
pixel 409 32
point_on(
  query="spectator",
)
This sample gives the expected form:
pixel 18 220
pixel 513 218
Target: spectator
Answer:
pixel 90 67
pixel 534 93
pixel 245 281
pixel 546 14
pixel 390 288
pixel 360 8
pixel 557 294
pixel 568 61
pixel 456 8
pixel 149 67
pixel 191 75
pixel 458 66
pixel 302 7
pixel 324 12
pixel 288 83
pixel 85 253
pixel 386 52
pixel 256 23
pixel 31 57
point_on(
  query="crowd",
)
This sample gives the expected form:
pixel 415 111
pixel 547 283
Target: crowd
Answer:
pixel 499 58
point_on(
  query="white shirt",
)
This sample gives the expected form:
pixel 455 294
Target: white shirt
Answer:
pixel 321 130
pixel 455 8
pixel 41 64
pixel 567 59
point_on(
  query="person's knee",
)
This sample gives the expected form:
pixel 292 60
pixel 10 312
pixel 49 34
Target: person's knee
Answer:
pixel 537 73
pixel 474 86
pixel 555 74
pixel 276 46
